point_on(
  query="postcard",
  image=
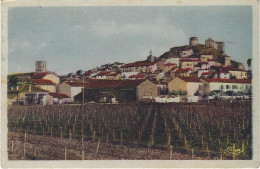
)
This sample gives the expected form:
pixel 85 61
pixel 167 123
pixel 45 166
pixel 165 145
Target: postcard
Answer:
pixel 112 84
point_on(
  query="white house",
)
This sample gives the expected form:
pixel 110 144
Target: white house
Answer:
pixel 174 60
pixel 71 88
pixel 224 74
pixel 186 52
pixel 235 85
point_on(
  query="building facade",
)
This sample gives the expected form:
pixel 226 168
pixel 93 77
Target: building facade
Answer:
pixel 187 84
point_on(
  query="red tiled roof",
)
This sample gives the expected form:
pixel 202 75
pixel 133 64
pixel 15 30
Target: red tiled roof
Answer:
pixel 88 73
pixel 39 75
pixel 102 83
pixel 103 73
pixel 174 67
pixel 189 59
pixel 137 76
pixel 203 62
pixel 170 64
pixel 58 95
pixel 42 82
pixel 228 80
pixel 112 74
pixel 75 84
pixel 138 64
pixel 209 59
pixel 229 68
pixel 183 70
pixel 223 71
pixel 189 79
pixel 207 73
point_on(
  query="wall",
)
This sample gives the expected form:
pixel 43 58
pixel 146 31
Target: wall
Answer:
pixel 177 84
pixel 205 57
pixel 200 71
pixel 173 60
pixel 152 68
pixel 65 89
pixel 75 91
pixel 224 76
pixel 239 74
pixel 52 78
pixel 235 87
pixel 50 88
pixel 127 74
pixel 192 87
pixel 146 89
pixel 187 65
pixel 121 94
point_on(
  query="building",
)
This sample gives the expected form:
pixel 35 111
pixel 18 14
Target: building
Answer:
pixel 194 41
pixel 138 76
pixel 18 95
pixel 150 58
pixel 216 45
pixel 190 85
pixel 139 67
pixel 224 85
pixel 183 72
pixel 174 60
pixel 120 90
pixel 224 74
pixel 169 66
pixel 239 74
pixel 71 89
pixel 59 98
pixel 186 52
pixel 47 76
pixel 40 66
pixel 227 61
pixel 206 56
pixel 188 63
pixel 203 72
pixel 45 84
pixel 114 76
pixel 102 75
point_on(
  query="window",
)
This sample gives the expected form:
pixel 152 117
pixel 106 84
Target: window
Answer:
pixel 222 87
pixel 234 86
pixel 227 86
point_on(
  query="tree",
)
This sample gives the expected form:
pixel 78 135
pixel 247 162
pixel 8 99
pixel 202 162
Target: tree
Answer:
pixel 249 63
pixel 12 82
pixel 197 93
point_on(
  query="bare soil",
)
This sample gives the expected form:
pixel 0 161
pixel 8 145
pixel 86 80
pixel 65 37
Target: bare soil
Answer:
pixel 38 147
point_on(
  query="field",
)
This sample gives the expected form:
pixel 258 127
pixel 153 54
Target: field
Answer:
pixel 217 130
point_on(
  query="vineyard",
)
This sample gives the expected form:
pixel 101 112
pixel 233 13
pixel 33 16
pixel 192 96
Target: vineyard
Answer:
pixel 219 130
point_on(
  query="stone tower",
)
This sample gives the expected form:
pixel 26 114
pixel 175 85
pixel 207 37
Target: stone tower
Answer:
pixel 193 41
pixel 221 46
pixel 210 43
pixel 227 61
pixel 40 66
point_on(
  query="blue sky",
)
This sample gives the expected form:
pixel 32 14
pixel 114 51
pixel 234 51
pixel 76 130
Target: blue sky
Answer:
pixel 73 38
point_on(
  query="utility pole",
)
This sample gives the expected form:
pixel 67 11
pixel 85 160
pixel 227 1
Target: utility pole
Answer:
pixel 83 90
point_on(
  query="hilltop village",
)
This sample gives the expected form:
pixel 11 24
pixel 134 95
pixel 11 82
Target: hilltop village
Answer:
pixel 187 73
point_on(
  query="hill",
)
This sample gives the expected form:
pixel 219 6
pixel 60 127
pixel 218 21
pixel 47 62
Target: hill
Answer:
pixel 198 49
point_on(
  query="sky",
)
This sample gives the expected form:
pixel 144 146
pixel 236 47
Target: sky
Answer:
pixel 74 38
